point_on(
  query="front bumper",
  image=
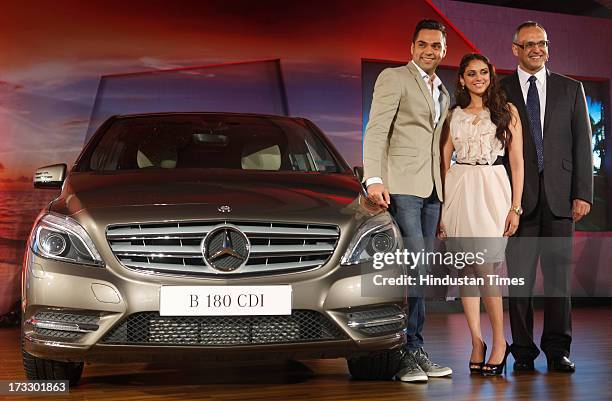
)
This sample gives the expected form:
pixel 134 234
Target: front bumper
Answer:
pixel 95 302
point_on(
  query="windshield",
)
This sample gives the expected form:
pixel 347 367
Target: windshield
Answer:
pixel 183 141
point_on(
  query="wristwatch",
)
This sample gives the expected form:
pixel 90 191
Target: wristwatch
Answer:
pixel 517 209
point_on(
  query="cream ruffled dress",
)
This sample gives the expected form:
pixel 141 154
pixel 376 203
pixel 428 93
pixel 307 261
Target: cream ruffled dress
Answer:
pixel 477 194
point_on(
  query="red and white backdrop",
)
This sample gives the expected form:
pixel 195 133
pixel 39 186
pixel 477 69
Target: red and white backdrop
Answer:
pixel 65 65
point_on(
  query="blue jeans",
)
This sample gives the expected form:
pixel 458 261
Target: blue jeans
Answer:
pixel 417 219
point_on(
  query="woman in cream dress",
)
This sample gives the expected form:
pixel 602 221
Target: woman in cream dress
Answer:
pixel 481 209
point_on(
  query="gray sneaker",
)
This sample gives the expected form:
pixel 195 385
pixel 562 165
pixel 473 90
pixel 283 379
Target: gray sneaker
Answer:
pixel 431 369
pixel 409 370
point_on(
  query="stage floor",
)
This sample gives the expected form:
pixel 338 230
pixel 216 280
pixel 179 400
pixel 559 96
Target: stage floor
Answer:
pixel 447 342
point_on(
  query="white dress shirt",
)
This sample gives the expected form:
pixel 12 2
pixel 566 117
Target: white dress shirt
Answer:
pixel 434 91
pixel 540 84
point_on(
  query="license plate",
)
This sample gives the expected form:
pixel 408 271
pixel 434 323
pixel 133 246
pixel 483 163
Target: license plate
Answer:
pixel 225 300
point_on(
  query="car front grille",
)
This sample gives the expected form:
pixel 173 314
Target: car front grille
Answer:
pixel 150 328
pixel 177 247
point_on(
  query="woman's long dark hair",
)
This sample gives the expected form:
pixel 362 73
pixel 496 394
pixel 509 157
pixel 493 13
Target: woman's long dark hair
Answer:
pixel 494 98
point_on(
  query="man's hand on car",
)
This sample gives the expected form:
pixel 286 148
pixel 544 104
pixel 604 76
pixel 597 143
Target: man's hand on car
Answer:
pixel 379 194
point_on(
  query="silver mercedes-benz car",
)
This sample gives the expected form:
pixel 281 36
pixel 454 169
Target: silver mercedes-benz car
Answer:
pixel 207 236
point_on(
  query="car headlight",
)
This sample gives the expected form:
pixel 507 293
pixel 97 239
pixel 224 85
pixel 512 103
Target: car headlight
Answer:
pixel 62 238
pixel 378 234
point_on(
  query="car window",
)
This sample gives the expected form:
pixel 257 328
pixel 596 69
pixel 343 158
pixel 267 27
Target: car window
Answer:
pixel 262 158
pixel 179 141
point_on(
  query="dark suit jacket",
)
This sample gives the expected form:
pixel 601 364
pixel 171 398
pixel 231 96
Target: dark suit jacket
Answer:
pixel 568 156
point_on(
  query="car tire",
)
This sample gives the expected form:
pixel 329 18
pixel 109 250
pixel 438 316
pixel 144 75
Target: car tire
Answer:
pixel 46 369
pixel 377 366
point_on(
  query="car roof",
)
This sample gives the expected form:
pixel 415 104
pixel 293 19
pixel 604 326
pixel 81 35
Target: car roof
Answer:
pixel 208 113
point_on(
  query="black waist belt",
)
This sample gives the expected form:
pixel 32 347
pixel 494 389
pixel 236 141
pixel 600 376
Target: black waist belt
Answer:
pixel 497 162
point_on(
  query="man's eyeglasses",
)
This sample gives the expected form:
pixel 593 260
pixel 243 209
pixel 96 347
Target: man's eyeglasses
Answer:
pixel 542 44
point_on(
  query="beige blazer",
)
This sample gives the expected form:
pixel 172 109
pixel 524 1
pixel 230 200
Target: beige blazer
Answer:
pixel 401 142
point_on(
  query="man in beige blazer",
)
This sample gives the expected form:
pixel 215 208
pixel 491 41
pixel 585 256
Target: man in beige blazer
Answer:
pixel 402 165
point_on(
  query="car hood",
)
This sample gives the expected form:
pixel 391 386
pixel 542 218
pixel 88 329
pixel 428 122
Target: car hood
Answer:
pixel 166 195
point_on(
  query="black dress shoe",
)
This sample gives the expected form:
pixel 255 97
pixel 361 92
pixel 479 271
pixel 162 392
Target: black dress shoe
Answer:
pixel 524 366
pixel 561 364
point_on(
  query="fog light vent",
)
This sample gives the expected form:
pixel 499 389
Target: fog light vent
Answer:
pixel 378 320
pixel 63 325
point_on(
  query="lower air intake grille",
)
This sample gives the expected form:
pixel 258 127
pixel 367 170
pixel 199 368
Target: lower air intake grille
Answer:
pixel 151 328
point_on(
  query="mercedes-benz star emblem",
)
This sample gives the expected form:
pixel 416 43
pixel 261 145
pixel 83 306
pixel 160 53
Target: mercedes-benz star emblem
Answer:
pixel 225 248
pixel 224 209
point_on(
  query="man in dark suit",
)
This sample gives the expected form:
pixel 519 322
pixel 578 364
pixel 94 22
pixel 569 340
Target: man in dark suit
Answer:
pixel 558 192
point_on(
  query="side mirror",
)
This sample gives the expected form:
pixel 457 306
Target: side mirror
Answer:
pixel 358 171
pixel 50 176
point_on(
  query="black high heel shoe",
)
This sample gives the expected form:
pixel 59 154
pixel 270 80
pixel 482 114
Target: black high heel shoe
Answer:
pixel 476 367
pixel 496 369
